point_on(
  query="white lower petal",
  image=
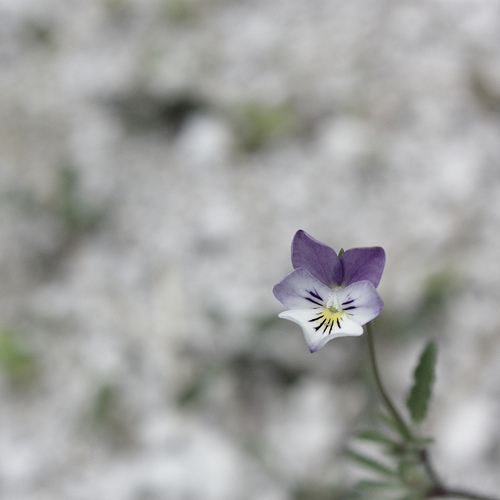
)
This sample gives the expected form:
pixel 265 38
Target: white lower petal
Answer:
pixel 320 325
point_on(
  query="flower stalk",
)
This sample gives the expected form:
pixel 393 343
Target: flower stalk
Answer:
pixel 402 426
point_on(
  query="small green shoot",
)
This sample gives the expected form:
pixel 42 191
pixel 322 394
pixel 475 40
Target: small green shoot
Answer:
pixel 76 214
pixel 257 124
pixel 15 361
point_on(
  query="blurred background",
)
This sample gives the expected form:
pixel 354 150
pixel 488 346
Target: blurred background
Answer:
pixel 156 158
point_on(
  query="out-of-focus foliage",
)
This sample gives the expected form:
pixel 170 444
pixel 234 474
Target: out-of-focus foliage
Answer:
pixel 179 10
pixel 76 214
pixel 108 416
pixel 16 361
pixel 257 124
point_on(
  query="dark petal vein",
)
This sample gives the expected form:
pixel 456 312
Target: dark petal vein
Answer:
pixel 320 325
pixel 314 294
pixel 313 301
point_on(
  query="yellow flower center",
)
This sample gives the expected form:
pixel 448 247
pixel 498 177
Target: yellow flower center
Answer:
pixel 330 316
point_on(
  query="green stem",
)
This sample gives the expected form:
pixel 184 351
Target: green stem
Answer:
pixel 403 428
pixel 437 489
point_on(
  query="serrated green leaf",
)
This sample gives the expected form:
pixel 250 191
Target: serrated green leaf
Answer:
pixel 371 463
pixel 376 437
pixel 420 394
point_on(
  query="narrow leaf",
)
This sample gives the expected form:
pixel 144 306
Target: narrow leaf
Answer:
pixel 420 393
pixel 389 421
pixel 373 485
pixel 424 441
pixel 376 437
pixel 371 463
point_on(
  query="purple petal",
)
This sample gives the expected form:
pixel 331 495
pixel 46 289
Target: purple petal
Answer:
pixel 319 259
pixel 360 264
pixel 360 301
pixel 300 290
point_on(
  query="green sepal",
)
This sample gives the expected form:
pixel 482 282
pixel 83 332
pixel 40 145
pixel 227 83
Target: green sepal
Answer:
pixel 341 251
pixel 420 394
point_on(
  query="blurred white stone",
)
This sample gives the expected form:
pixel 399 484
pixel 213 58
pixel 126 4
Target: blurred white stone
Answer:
pixel 346 140
pixel 466 431
pixel 396 146
pixel 205 141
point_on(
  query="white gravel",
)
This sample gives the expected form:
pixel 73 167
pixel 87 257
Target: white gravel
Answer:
pixel 385 131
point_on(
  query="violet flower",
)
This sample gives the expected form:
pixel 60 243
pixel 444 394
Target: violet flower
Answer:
pixel 330 296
